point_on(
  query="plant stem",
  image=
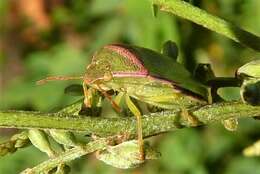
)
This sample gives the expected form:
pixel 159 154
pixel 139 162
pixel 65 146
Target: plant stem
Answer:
pixel 211 22
pixel 153 124
pixel 67 156
pixel 221 82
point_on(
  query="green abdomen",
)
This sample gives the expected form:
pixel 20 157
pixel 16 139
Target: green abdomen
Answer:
pixel 157 93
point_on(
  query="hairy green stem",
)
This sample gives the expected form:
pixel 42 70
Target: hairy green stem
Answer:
pixel 211 22
pixel 153 124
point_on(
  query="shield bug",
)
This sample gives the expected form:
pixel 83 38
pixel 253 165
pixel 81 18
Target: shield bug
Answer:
pixel 142 74
pixel 250 88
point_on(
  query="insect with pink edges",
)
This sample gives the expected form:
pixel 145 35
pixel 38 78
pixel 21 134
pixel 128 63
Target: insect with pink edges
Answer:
pixel 143 74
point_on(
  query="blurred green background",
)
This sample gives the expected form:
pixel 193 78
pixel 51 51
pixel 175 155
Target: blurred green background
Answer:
pixel 57 37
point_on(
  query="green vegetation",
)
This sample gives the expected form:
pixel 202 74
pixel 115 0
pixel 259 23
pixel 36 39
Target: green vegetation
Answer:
pixel 59 37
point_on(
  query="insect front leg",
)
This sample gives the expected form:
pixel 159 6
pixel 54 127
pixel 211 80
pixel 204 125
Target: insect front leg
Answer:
pixel 114 105
pixel 87 97
pixel 133 108
pixel 92 101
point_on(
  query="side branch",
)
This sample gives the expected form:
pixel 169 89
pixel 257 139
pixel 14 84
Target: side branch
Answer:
pixel 67 156
pixel 153 124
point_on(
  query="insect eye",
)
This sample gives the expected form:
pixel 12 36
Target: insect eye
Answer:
pixel 108 67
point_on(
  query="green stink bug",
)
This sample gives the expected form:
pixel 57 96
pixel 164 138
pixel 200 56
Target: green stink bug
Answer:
pixel 250 89
pixel 143 74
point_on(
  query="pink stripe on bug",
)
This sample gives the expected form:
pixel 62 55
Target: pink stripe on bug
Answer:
pixel 121 50
pixel 137 74
pixel 129 74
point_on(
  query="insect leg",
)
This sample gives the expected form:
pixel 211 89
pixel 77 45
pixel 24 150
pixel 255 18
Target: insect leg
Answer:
pixel 114 105
pixel 210 98
pixel 137 113
pixel 87 97
pixel 118 98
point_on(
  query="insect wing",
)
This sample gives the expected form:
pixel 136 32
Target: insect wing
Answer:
pixel 163 67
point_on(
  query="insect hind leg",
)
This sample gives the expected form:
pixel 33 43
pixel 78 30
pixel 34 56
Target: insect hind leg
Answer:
pixel 137 114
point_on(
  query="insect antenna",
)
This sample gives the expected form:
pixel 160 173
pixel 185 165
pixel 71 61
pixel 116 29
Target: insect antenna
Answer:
pixel 55 78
